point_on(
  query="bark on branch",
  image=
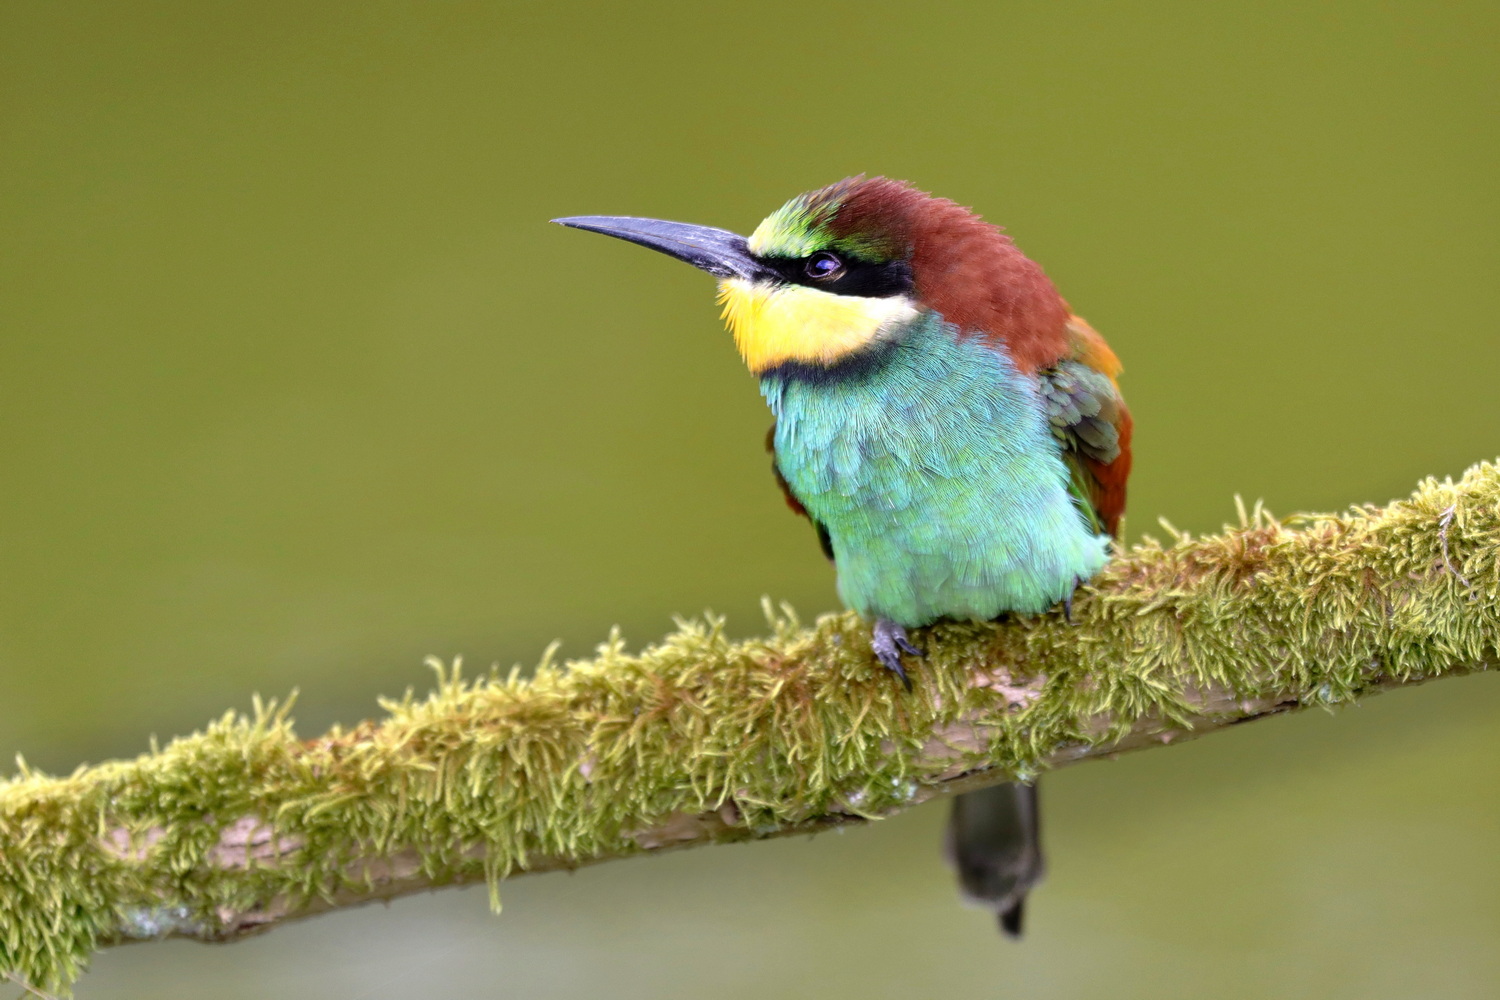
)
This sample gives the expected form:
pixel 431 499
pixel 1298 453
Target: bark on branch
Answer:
pixel 700 739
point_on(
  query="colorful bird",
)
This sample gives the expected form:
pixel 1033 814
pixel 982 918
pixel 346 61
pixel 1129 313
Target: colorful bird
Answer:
pixel 954 433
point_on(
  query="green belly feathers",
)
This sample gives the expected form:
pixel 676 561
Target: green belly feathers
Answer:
pixel 941 488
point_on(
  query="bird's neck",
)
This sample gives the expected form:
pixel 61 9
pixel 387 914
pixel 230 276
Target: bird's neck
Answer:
pixel 921 349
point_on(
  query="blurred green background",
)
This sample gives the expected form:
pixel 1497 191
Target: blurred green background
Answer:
pixel 299 387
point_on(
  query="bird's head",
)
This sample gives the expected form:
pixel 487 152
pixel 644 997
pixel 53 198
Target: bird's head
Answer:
pixel 839 271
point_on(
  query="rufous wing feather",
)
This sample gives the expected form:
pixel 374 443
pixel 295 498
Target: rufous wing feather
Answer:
pixel 1089 418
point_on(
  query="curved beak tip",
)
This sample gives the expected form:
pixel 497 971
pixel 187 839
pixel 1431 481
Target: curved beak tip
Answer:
pixel 717 251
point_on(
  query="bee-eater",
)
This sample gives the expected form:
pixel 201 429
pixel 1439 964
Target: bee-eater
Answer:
pixel 954 433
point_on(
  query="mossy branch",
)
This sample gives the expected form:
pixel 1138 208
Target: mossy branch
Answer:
pixel 701 739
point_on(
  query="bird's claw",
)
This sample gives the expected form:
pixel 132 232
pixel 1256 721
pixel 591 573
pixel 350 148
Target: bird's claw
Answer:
pixel 889 641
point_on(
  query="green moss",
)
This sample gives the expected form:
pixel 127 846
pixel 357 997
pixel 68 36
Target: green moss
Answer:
pixel 480 779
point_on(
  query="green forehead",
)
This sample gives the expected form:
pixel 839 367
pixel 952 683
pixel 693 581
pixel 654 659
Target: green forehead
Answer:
pixel 806 225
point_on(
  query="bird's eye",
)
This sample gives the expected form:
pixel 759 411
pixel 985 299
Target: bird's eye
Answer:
pixel 824 266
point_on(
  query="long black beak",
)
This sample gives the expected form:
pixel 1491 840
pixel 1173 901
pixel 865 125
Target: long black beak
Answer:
pixel 717 251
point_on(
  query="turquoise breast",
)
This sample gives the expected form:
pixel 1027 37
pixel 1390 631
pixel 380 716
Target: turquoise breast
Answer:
pixel 941 488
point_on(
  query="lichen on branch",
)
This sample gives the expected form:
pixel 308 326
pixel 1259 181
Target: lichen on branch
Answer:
pixel 699 738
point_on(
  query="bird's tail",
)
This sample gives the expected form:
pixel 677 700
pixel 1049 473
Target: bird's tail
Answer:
pixel 994 844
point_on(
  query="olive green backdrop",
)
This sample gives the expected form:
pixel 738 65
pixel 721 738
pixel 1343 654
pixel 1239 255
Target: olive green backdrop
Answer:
pixel 297 387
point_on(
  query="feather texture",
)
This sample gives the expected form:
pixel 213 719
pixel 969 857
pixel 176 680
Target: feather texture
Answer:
pixel 1089 418
pixel 937 479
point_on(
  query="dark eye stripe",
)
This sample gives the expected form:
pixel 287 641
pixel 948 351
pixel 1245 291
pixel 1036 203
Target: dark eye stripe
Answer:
pixel 859 277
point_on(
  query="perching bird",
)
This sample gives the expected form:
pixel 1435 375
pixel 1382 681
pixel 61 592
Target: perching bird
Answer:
pixel 954 433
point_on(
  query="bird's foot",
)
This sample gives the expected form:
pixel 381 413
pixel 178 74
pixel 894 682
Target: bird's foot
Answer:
pixel 889 641
pixel 1067 601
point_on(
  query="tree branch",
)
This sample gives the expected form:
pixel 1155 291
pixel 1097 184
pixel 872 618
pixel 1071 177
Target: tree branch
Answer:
pixel 699 739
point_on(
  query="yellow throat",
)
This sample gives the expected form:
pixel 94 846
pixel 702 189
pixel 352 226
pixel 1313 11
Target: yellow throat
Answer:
pixel 774 324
